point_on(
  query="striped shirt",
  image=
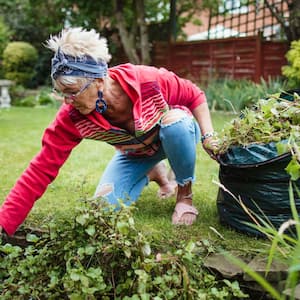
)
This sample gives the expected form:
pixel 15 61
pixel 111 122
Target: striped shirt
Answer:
pixel 152 91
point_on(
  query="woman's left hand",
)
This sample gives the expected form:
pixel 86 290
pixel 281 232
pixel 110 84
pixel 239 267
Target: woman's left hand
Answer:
pixel 211 146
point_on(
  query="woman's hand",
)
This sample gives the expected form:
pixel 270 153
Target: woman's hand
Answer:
pixel 211 146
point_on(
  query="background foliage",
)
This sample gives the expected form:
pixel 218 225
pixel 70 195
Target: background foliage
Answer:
pixel 25 23
pixel 19 59
pixel 292 71
pixel 4 40
pixel 234 95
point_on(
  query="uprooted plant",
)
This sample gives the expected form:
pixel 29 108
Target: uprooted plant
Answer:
pixel 274 119
pixel 101 255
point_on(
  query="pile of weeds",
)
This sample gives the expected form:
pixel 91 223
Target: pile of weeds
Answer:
pixel 100 254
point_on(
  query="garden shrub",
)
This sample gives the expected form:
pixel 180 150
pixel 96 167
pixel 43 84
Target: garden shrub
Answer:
pixel 292 71
pixel 19 60
pixel 44 98
pixel 32 97
pixel 100 254
pixel 17 92
pixel 21 96
pixel 4 40
pixel 4 36
pixel 234 95
pixel 29 101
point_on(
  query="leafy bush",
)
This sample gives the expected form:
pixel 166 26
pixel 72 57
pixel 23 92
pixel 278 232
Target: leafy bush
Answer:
pixel 4 36
pixel 17 92
pixel 30 98
pixel 101 255
pixel 44 98
pixel 235 95
pixel 19 60
pixel 21 96
pixel 29 101
pixel 4 40
pixel 292 71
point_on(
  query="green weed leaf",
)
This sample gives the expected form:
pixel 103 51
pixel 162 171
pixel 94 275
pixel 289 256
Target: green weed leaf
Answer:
pixel 81 219
pixel 293 168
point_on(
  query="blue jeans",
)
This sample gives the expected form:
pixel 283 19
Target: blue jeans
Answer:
pixel 125 177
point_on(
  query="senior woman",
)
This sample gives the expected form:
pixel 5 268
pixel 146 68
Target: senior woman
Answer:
pixel 147 114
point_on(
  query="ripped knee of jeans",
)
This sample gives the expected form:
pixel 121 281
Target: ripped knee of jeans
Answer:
pixel 104 189
pixel 173 116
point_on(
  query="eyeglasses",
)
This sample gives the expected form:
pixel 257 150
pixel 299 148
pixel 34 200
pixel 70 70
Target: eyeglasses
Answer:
pixel 72 96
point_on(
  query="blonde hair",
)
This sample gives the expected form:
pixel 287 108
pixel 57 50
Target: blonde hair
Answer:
pixel 63 81
pixel 79 42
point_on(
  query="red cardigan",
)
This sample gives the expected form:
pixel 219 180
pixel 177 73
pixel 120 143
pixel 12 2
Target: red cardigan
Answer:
pixel 152 92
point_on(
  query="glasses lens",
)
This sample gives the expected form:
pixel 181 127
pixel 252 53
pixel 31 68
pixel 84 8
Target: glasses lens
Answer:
pixel 62 95
pixel 72 95
pixel 86 86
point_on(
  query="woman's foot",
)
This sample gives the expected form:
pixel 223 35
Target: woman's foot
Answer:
pixel 184 213
pixel 165 180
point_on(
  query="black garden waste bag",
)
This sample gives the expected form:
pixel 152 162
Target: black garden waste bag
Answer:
pixel 256 175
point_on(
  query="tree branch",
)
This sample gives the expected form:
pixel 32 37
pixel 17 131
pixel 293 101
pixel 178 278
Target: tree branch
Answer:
pixel 275 13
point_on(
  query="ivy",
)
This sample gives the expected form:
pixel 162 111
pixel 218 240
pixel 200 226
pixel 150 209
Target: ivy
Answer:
pixel 101 255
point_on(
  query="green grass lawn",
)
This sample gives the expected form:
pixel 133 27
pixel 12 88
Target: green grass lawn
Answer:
pixel 21 130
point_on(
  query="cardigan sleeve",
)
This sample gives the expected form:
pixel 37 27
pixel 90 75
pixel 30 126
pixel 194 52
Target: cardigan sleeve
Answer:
pixel 180 91
pixel 57 143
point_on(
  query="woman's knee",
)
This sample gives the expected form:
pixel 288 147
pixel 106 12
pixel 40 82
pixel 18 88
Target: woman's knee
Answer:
pixel 104 189
pixel 173 116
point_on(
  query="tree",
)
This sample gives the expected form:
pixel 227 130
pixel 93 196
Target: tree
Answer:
pixel 144 37
pixel 293 30
pixel 132 18
pixel 125 23
pixel 187 11
pixel 127 33
pixel 292 26
pixel 33 21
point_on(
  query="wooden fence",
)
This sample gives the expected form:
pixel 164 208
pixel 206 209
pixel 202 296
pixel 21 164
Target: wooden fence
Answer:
pixel 247 57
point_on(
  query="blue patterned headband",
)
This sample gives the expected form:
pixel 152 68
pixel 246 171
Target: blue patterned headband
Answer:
pixel 85 66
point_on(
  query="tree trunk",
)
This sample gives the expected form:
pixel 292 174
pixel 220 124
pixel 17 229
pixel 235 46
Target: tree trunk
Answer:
pixel 294 20
pixel 292 29
pixel 172 22
pixel 144 37
pixel 127 38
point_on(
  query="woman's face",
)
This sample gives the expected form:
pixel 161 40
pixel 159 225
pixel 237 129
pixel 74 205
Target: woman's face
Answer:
pixel 84 97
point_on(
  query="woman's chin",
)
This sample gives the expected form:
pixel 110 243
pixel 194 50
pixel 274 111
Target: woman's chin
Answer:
pixel 84 110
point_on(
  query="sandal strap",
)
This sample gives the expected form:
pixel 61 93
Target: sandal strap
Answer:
pixel 182 208
pixel 189 196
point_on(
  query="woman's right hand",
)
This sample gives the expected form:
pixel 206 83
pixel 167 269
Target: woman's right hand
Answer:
pixel 211 146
